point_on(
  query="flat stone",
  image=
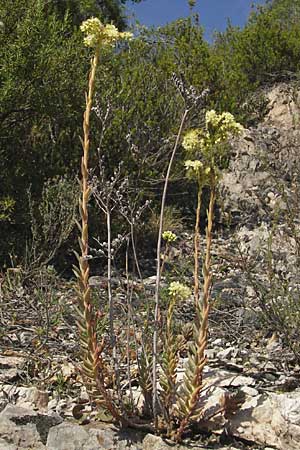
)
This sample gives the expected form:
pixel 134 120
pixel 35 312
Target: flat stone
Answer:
pixel 10 368
pixel 25 428
pixel 272 420
pixel 4 445
pixel 151 442
pixel 71 437
pixel 249 391
pixel 19 436
pixel 227 353
pixel 26 397
pixel 68 436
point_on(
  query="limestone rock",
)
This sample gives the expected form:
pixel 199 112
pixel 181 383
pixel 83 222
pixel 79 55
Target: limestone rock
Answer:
pixel 4 445
pixel 25 397
pixel 272 420
pixel 24 428
pixel 156 443
pixel 284 111
pixel 19 436
pixel 10 367
pixel 68 436
pixel 71 437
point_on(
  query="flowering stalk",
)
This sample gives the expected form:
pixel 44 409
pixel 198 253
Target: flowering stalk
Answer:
pixel 169 237
pixel 93 367
pixel 187 403
pixel 87 322
pixel 210 144
pixel 196 246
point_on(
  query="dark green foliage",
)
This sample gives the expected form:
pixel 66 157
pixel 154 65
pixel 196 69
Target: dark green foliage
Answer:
pixel 266 50
pixel 43 77
pixel 42 83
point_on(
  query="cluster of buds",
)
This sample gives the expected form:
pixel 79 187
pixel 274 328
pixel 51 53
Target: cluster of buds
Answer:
pixel 169 236
pixel 179 291
pixel 196 169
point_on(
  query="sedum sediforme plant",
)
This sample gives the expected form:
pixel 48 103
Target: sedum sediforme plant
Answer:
pixel 191 99
pixel 209 147
pixel 94 370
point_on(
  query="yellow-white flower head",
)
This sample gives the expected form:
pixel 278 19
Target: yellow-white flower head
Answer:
pixel 223 123
pixel 196 170
pixel 169 236
pixel 179 291
pixel 196 165
pixel 191 140
pixel 98 34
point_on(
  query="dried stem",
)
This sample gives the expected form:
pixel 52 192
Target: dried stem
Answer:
pixel 136 261
pixel 158 270
pixel 169 365
pixel 129 303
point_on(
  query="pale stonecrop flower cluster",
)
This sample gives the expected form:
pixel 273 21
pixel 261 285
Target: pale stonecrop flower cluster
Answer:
pixel 196 165
pixel 191 140
pixel 218 128
pixel 169 236
pixel 196 169
pixel 221 125
pixel 98 34
pixel 179 291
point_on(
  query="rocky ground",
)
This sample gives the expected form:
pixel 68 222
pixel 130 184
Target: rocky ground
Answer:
pixel 253 353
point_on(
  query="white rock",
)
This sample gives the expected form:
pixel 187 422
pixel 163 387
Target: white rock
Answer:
pixel 22 435
pixel 272 420
pixel 10 367
pixel 227 353
pixel 4 445
pixel 249 391
pixel 68 436
pixel 26 397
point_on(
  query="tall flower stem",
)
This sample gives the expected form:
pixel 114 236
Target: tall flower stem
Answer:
pixel 207 263
pixel 158 269
pixel 93 366
pixel 111 306
pixel 169 365
pixel 193 382
pixel 85 168
pixel 85 194
pixel 196 244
